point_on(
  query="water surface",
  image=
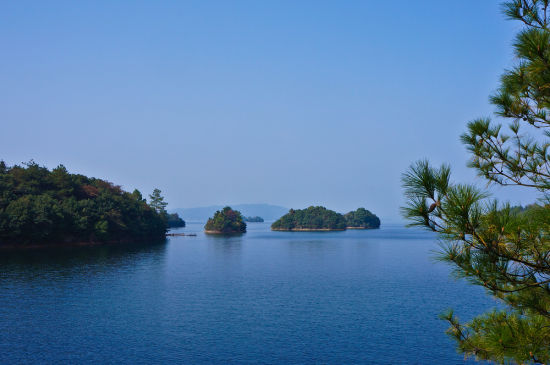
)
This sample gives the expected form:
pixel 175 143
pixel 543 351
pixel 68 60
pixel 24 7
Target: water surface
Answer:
pixel 263 297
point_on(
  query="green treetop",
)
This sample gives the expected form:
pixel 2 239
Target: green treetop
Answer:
pixel 362 218
pixel 174 221
pixel 491 244
pixel 312 218
pixel 156 201
pixel 226 221
pixel 39 207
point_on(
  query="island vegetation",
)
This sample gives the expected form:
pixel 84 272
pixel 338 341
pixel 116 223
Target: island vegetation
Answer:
pixel 323 219
pixel 267 211
pixel 173 220
pixel 225 221
pixel 42 207
pixel 310 219
pixel 361 219
pixel 504 249
pixel 255 219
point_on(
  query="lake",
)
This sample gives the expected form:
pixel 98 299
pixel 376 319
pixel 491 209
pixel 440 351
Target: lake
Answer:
pixel 260 298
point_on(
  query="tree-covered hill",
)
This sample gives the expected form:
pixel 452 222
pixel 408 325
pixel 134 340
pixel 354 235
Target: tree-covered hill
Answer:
pixel 174 221
pixel 39 207
pixel 226 221
pixel 362 218
pixel 312 218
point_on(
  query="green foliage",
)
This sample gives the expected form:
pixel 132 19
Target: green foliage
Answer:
pixel 173 221
pixel 499 247
pixel 255 219
pixel 226 221
pixel 515 157
pixel 137 195
pixel 502 248
pixel 502 336
pixel 156 201
pixel 362 218
pixel 310 218
pixel 38 206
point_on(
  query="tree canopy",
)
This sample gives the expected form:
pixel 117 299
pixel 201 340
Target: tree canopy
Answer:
pixel 173 220
pixel 226 221
pixel 504 249
pixel 312 218
pixel 156 201
pixel 361 218
pixel 39 206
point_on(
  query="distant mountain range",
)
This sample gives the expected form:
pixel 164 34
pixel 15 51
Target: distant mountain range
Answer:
pixel 266 211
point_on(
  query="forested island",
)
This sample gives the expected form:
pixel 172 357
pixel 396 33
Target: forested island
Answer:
pixel 225 221
pixel 255 219
pixel 40 207
pixel 173 220
pixel 323 219
pixel 310 219
pixel 361 219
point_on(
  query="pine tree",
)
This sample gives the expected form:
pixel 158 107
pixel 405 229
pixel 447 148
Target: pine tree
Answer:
pixel 156 201
pixel 505 250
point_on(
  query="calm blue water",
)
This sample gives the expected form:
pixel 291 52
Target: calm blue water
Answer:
pixel 265 297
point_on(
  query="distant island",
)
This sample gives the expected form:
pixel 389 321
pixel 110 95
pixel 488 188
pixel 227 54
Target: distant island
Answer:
pixel 225 221
pixel 173 220
pixel 40 207
pixel 323 219
pixel 310 219
pixel 255 219
pixel 201 214
pixel 361 219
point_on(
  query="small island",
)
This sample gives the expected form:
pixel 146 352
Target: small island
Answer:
pixel 361 219
pixel 323 219
pixel 310 219
pixel 226 221
pixel 255 219
pixel 173 220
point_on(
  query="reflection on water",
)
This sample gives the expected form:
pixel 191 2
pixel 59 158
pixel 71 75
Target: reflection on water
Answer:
pixel 80 259
pixel 262 297
pixel 226 245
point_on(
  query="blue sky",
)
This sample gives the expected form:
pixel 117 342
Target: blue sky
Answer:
pixel 282 102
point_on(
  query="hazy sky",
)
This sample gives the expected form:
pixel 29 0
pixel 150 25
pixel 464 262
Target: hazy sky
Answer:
pixel 292 103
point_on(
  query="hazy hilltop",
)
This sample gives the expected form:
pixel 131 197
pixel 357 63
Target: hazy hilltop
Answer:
pixel 267 211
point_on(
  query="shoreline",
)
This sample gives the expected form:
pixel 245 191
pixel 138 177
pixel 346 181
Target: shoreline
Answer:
pixel 222 233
